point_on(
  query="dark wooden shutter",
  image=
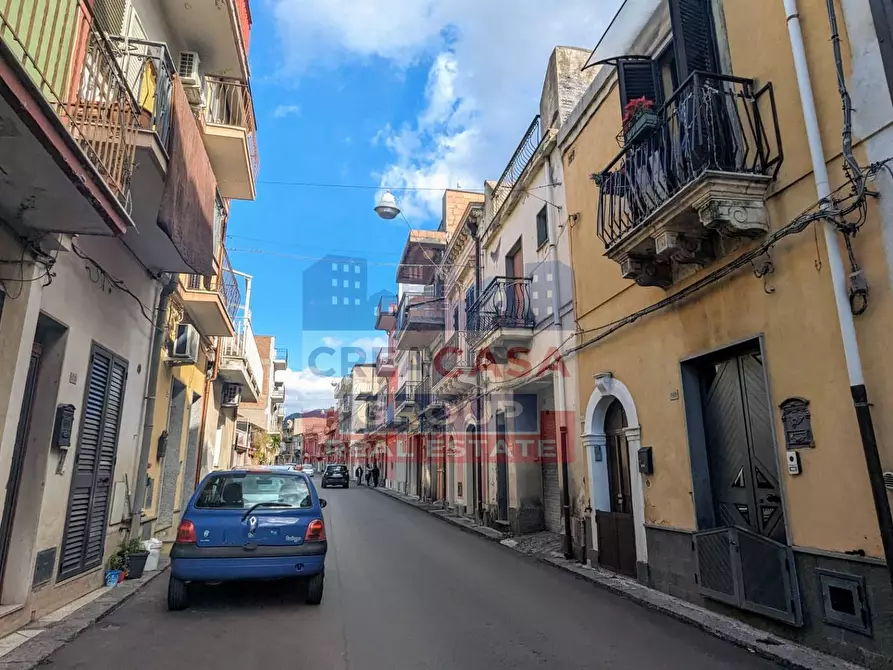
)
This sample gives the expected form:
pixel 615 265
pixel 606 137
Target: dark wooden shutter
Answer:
pixel 694 36
pixel 882 13
pixel 94 464
pixel 639 78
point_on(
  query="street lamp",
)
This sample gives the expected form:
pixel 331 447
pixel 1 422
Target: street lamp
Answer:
pixel 387 206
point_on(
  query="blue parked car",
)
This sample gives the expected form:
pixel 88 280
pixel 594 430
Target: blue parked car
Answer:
pixel 256 523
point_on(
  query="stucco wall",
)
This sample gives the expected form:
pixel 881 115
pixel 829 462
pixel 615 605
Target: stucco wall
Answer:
pixel 829 505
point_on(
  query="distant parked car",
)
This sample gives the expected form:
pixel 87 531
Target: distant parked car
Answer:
pixel 308 470
pixel 256 523
pixel 336 475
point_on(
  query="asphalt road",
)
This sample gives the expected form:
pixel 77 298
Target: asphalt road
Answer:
pixel 403 590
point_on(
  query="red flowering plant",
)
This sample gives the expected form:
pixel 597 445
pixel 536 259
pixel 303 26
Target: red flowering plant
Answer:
pixel 634 108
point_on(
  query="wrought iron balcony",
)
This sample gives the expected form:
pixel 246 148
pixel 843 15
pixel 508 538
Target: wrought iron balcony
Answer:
pixel 386 313
pixel 702 171
pixel 149 71
pixel 241 362
pixel 62 79
pixel 502 314
pixel 230 133
pixel 213 302
pixel 452 370
pixel 406 397
pixel 513 173
pixel 420 318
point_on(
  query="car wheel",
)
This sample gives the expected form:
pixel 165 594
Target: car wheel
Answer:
pixel 323 484
pixel 314 589
pixel 177 594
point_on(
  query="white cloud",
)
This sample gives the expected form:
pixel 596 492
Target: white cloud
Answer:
pixel 305 389
pixel 286 110
pixel 370 345
pixel 332 342
pixel 488 62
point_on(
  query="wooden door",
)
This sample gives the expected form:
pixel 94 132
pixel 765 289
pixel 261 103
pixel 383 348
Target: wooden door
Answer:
pixel 616 528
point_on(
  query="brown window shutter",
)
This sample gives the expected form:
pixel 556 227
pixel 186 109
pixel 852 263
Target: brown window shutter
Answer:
pixel 694 36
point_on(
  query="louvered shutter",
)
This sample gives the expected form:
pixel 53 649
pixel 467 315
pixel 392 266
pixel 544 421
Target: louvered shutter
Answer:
pixel 110 15
pixel 694 36
pixel 85 524
pixel 639 78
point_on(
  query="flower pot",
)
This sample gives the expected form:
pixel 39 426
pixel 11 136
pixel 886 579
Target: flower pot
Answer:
pixel 136 563
pixel 112 577
pixel 641 126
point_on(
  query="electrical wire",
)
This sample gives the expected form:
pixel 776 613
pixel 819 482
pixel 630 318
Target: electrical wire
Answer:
pixel 146 311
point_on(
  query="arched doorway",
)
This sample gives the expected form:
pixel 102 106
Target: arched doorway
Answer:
pixel 612 441
pixel 615 526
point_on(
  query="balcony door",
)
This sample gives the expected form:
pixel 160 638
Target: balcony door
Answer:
pixel 514 270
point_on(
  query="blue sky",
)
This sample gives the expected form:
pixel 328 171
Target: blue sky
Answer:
pixel 424 94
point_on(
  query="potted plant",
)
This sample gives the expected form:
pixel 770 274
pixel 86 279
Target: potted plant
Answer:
pixel 135 556
pixel 115 569
pixel 639 119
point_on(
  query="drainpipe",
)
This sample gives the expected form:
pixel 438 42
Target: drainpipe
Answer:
pixel 208 397
pixel 476 465
pixel 139 494
pixel 568 544
pixel 841 298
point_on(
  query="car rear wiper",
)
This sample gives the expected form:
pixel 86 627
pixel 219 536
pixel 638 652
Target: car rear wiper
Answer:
pixel 263 504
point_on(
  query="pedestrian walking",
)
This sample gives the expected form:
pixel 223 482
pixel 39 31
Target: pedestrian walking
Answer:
pixel 368 474
pixel 359 474
pixel 376 473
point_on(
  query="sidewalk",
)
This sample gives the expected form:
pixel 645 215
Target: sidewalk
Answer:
pixel 546 548
pixel 28 647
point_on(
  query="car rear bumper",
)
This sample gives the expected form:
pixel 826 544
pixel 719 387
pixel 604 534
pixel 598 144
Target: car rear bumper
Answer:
pixel 199 564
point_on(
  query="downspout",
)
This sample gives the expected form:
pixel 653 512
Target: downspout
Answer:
pixel 158 339
pixel 477 466
pixel 838 280
pixel 567 540
pixel 209 383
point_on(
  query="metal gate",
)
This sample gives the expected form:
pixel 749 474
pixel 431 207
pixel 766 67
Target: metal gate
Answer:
pixel 502 466
pixel 551 475
pixel 83 543
pixel 747 570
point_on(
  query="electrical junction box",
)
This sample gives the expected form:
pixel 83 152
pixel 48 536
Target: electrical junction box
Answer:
pixel 646 461
pixel 62 426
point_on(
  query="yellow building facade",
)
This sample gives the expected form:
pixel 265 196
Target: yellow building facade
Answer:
pixel 722 455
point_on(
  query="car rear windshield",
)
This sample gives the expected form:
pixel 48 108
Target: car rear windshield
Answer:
pixel 336 468
pixel 243 491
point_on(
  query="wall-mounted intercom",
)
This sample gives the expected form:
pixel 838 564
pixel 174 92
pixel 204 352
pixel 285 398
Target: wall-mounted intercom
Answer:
pixel 63 425
pixel 794 462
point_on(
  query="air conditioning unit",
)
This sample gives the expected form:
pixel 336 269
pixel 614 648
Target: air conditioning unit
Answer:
pixel 193 84
pixel 188 68
pixel 232 395
pixel 185 349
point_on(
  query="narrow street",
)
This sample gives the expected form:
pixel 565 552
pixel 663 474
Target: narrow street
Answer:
pixel 403 590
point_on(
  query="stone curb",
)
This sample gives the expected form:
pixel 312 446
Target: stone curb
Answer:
pixel 763 643
pixel 35 651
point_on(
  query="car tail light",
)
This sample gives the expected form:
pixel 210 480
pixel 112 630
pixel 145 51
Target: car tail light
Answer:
pixel 186 532
pixel 316 531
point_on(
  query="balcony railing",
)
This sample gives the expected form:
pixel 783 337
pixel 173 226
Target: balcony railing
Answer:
pixel 515 168
pixel 505 303
pixel 711 123
pixel 149 71
pixel 406 393
pixel 72 63
pixel 455 354
pixel 420 311
pixel 225 283
pixel 244 346
pixel 280 354
pixel 229 103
